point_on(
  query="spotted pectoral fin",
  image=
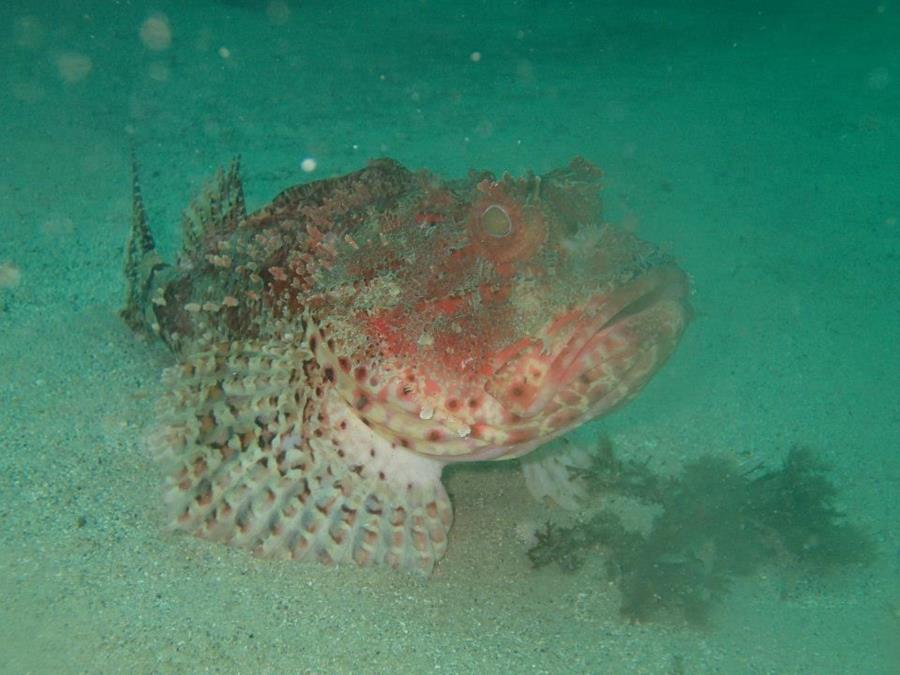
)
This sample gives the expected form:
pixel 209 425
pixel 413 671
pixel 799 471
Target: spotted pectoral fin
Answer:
pixel 551 473
pixel 252 466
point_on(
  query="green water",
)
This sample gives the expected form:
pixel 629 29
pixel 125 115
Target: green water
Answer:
pixel 757 142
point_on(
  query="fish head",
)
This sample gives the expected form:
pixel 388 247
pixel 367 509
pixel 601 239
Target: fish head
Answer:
pixel 479 319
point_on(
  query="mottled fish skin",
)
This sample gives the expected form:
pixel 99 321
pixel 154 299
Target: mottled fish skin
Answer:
pixel 337 347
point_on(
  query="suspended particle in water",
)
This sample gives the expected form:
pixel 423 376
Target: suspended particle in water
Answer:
pixel 278 12
pixel 73 67
pixel 879 78
pixel 156 33
pixel 28 32
pixel 158 71
pixel 10 275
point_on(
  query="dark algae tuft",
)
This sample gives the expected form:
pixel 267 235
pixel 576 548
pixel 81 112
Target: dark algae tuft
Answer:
pixel 716 521
pixel 798 503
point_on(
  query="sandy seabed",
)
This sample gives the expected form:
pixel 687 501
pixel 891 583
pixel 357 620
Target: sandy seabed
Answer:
pixel 758 145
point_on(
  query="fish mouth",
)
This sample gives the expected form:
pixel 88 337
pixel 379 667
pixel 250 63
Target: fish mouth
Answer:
pixel 593 358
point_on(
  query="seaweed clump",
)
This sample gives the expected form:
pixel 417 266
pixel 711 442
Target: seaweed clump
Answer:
pixel 714 522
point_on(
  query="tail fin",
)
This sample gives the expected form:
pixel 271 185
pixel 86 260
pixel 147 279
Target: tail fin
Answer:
pixel 141 262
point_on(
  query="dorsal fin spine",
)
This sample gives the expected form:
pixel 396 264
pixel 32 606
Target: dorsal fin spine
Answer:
pixel 141 262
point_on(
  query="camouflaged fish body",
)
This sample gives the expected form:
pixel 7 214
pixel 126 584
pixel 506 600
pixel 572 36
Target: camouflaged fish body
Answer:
pixel 339 346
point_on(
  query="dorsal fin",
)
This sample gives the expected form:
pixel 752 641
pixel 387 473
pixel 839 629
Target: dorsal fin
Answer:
pixel 141 260
pixel 214 213
pixel 141 236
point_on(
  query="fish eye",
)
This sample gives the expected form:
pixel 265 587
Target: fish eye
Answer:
pixel 496 221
